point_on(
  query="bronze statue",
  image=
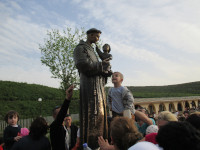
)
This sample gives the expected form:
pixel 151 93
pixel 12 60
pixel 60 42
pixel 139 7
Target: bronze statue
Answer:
pixel 93 115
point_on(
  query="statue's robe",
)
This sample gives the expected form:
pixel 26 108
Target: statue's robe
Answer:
pixel 93 115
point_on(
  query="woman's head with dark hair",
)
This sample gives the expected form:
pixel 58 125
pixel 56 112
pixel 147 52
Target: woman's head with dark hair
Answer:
pixel 124 133
pixel 194 120
pixel 178 136
pixel 38 128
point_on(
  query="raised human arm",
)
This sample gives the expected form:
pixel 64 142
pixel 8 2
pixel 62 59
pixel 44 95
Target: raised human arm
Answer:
pixel 64 108
pixel 128 100
pixel 143 117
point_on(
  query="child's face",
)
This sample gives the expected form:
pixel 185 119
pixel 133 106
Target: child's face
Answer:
pixel 106 48
pixel 12 120
pixel 116 78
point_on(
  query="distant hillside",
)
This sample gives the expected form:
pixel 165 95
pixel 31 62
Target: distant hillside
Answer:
pixel 178 90
pixel 23 91
pixel 23 97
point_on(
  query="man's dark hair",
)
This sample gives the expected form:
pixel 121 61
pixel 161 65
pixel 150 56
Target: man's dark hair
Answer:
pixel 181 118
pixel 178 136
pixel 38 128
pixel 93 30
pixel 68 115
pixel 194 120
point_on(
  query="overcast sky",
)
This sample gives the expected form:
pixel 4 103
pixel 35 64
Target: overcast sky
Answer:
pixel 153 42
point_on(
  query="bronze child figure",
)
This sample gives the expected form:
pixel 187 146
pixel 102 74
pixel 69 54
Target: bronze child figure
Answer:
pixel 105 55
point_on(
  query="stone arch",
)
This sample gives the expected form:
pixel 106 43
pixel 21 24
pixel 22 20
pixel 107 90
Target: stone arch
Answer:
pixel 162 107
pixel 187 105
pixel 151 109
pixel 199 103
pixel 193 104
pixel 179 106
pixel 172 107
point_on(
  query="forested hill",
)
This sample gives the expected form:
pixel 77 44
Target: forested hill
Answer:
pixel 23 91
pixel 178 90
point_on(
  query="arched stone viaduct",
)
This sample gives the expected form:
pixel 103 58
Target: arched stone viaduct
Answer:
pixel 169 103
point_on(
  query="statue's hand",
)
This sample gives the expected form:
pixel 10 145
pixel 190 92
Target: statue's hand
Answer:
pixel 107 59
pixel 105 65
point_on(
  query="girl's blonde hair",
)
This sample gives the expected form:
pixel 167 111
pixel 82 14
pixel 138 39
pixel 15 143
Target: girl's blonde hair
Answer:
pixel 167 116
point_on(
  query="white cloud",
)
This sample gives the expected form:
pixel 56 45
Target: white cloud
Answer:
pixel 15 5
pixel 33 76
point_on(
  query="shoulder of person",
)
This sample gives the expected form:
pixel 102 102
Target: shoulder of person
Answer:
pixel 7 127
pixel 153 121
pixel 125 89
pixel 110 89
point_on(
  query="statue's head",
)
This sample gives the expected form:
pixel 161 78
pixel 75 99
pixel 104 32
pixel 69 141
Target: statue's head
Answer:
pixel 106 48
pixel 93 30
pixel 93 35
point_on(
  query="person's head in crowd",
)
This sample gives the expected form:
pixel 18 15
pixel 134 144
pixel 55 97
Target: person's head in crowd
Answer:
pixel 178 136
pixel 12 117
pixel 181 118
pixel 151 138
pixel 68 120
pixel 144 146
pixel 55 111
pixel 194 120
pixel 196 112
pixel 143 110
pixel 38 128
pixel 164 117
pixel 124 133
pixel 24 132
pixel 152 129
pixel 186 114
